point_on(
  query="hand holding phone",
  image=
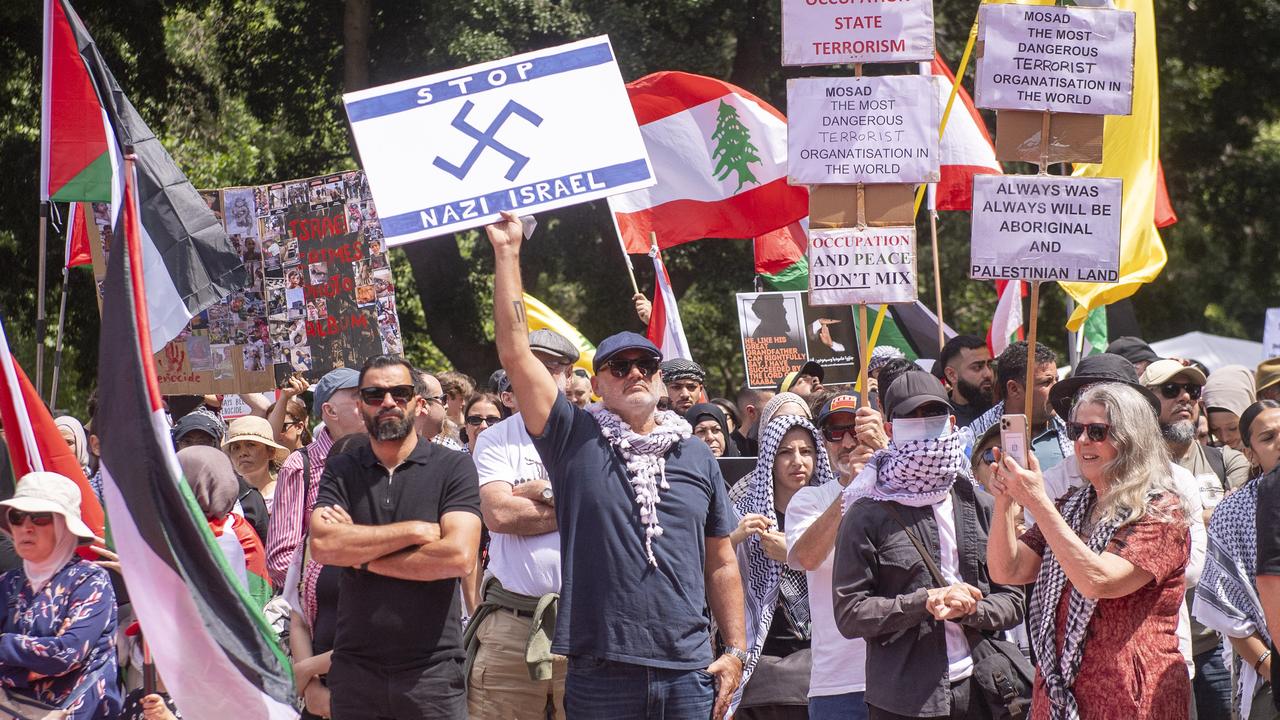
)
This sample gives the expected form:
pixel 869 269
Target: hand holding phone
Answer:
pixel 1013 438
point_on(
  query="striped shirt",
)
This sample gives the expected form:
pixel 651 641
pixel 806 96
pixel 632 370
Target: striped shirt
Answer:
pixel 291 512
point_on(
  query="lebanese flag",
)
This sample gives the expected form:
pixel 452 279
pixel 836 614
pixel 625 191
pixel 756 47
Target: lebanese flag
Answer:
pixel 720 157
pixel 35 445
pixel 665 329
pixel 187 258
pixel 212 646
pixel 966 148
pixel 1006 324
pixel 77 250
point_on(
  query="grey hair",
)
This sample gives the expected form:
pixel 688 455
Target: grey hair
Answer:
pixel 1142 465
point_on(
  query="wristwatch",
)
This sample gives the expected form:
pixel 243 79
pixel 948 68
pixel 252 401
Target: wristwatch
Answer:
pixel 548 496
pixel 738 653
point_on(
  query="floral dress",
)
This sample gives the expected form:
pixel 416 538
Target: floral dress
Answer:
pixel 58 646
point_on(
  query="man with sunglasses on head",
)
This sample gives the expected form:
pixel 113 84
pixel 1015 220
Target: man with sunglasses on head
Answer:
pixel 513 674
pixel 644 524
pixel 916 496
pixel 402 516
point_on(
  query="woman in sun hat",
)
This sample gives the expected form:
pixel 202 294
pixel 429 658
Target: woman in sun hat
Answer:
pixel 57 642
pixel 252 447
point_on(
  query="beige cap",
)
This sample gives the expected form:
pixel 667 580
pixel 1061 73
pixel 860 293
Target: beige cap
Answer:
pixel 252 428
pixel 1268 373
pixel 52 493
pixel 1162 371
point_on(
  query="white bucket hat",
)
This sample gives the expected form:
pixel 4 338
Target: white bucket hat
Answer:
pixel 48 492
pixel 252 428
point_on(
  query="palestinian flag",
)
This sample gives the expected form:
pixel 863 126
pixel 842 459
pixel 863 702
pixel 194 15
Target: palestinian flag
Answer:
pixel 665 329
pixel 77 250
pixel 214 649
pixel 720 156
pixel 34 441
pixel 910 327
pixel 780 257
pixel 188 261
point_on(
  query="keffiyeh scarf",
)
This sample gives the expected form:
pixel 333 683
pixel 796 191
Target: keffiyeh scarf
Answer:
pixel 1060 666
pixel 645 458
pixel 918 473
pixel 766 578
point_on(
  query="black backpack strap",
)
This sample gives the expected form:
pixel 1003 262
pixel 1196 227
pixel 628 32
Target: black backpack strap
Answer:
pixel 1218 463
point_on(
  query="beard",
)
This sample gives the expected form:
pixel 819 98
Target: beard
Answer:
pixel 974 395
pixel 1182 432
pixel 398 428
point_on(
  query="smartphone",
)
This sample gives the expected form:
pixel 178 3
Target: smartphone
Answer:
pixel 1013 437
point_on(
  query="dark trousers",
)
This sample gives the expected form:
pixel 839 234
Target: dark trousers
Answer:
pixel 1211 686
pixel 967 703
pixel 435 692
pixel 595 689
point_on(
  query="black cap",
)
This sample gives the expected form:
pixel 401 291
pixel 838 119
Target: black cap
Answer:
pixel 194 421
pixel 811 367
pixel 1103 367
pixel 1133 349
pixel 911 390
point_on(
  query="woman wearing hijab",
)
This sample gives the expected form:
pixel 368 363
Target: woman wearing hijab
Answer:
pixel 775 680
pixel 57 644
pixel 73 432
pixel 1227 393
pixel 213 482
pixel 1108 562
pixel 1227 595
pixel 709 426
pixel 784 403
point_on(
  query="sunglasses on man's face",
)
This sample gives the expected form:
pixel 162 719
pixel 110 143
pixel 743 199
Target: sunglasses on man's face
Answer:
pixel 1097 432
pixel 478 420
pixel 39 519
pixel 836 433
pixel 622 368
pixel 401 394
pixel 1173 390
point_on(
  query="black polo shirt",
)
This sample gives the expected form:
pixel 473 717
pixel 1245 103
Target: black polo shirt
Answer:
pixel 383 622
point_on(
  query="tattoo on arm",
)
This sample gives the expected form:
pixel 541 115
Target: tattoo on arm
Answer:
pixel 520 316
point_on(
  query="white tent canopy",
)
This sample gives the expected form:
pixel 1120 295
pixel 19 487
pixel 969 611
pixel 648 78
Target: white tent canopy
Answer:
pixel 1214 351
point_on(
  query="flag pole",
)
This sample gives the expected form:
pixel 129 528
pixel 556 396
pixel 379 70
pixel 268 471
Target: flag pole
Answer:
pixel 937 264
pixel 864 354
pixel 617 231
pixel 57 352
pixel 1029 388
pixel 41 321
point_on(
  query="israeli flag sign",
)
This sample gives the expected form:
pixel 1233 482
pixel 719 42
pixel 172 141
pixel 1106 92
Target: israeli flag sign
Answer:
pixel 528 133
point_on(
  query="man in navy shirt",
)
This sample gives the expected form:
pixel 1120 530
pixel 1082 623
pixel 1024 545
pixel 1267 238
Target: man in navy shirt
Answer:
pixel 644 524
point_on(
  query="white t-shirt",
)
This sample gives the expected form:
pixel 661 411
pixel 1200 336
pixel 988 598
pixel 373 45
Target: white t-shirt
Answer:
pixel 526 564
pixel 959 657
pixel 839 664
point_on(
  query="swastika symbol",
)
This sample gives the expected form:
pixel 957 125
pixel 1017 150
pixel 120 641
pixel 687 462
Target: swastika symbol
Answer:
pixel 486 139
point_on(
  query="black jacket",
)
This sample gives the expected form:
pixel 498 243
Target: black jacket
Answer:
pixel 880 585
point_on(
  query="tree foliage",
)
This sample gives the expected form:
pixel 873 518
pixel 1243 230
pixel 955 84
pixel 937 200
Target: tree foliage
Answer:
pixel 249 91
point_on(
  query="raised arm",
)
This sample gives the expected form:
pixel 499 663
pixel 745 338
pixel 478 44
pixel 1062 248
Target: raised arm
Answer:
pixel 535 390
pixel 335 540
pixel 453 555
pixel 1009 560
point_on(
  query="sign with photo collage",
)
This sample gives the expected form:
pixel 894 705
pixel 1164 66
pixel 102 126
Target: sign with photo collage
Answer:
pixel 320 293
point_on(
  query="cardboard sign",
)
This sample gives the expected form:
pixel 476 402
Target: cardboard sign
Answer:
pixel 1271 334
pixel 1060 59
pixel 532 132
pixel 780 330
pixel 849 266
pixel 862 130
pixel 320 293
pixel 1045 228
pixel 827 33
pixel 836 206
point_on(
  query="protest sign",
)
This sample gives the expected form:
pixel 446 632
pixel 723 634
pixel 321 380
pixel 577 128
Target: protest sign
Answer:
pixel 532 132
pixel 1060 59
pixel 1045 228
pixel 780 330
pixel 1271 334
pixel 849 266
pixel 862 130
pixel 320 293
pixel 827 33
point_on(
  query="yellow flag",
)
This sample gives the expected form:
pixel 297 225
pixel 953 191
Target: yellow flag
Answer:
pixel 1130 150
pixel 542 317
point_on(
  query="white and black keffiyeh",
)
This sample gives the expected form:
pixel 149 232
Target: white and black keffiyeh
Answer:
pixel 765 577
pixel 1060 666
pixel 918 473
pixel 645 456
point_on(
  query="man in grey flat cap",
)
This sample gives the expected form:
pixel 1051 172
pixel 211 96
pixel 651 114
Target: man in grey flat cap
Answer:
pixel 684 380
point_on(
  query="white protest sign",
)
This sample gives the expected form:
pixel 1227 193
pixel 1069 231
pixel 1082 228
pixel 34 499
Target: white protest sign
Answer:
pixel 848 266
pixel 1271 334
pixel 1045 228
pixel 862 130
pixel 820 32
pixel 532 132
pixel 1070 60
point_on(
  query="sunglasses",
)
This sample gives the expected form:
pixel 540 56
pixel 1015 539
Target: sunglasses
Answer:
pixel 442 399
pixel 988 456
pixel 401 394
pixel 39 519
pixel 836 433
pixel 1171 390
pixel 478 420
pixel 622 368
pixel 1097 432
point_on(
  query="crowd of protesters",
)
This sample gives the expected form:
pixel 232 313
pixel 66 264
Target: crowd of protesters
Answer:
pixel 555 543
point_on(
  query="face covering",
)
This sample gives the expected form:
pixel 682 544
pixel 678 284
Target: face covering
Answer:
pixel 907 430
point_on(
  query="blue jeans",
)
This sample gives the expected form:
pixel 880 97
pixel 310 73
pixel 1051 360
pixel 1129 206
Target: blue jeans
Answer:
pixel 849 706
pixel 1212 686
pixel 595 688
